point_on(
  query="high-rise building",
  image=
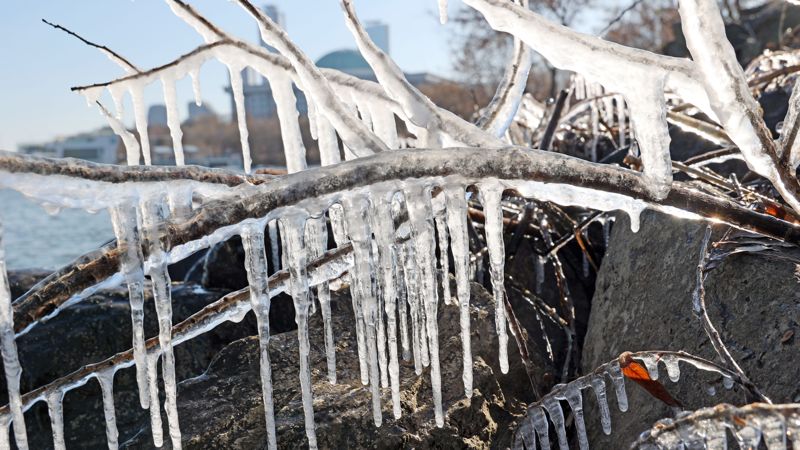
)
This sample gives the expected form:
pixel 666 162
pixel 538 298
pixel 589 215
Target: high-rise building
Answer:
pixel 199 111
pixel 157 116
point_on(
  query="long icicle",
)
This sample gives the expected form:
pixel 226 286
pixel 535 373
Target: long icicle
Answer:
pixel 126 230
pixel 317 243
pixel 491 194
pixel 106 380
pixel 153 219
pixel 8 346
pixel 173 118
pixel 456 204
pixel 55 408
pixel 256 265
pixel 241 118
pixel 420 216
pixel 292 227
pixel 383 229
pixel 356 210
pixel 156 426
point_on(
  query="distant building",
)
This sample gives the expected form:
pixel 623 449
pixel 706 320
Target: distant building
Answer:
pixel 199 111
pixel 98 146
pixel 157 116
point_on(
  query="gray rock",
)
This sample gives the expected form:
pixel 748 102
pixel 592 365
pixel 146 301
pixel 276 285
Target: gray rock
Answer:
pixel 643 301
pixel 223 407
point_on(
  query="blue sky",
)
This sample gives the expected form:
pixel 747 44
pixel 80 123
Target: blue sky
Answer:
pixel 39 64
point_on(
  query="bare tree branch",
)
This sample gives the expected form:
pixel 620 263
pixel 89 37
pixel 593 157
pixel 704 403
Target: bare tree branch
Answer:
pixel 114 56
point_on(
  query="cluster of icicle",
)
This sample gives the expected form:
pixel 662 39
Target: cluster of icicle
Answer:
pixel 707 428
pixel 534 427
pixel 606 107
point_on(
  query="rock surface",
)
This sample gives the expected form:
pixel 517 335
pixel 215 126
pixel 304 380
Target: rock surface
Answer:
pixel 223 407
pixel 643 301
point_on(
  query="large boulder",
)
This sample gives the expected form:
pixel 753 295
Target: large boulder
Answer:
pixel 223 408
pixel 643 301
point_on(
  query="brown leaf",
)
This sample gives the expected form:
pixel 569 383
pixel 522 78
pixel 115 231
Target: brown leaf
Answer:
pixel 638 373
pixel 786 336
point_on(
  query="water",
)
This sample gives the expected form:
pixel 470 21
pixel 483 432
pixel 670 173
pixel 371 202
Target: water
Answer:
pixel 35 239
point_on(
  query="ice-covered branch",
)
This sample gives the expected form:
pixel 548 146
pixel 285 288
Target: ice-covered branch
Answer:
pixel 419 109
pixel 749 424
pixel 13 162
pixel 500 112
pixel 353 132
pixel 590 185
pixel 231 307
pixel 640 76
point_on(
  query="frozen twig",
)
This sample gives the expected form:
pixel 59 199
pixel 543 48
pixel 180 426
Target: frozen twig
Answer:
pixel 112 55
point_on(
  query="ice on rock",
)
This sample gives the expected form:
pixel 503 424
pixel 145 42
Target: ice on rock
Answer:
pixel 126 229
pixel 456 208
pixel 292 225
pixel 420 215
pixel 256 267
pixel 356 210
pixel 491 194
pixel 8 348
pixel 106 380
pixel 383 229
pixel 317 243
pixel 55 408
pixel 153 218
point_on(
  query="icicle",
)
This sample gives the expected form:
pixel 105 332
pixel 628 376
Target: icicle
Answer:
pixel 126 230
pixel 599 387
pixel 651 363
pixel 140 117
pixel 292 229
pixel 117 92
pixel 55 408
pixel 402 300
pixel 317 243
pixel 328 143
pixel 8 347
pixel 356 210
pixel 286 103
pixel 727 382
pixel 557 417
pixel 155 408
pixel 5 442
pixel 443 11
pixel 128 139
pixel 456 206
pixel 541 260
pixel 444 255
pixel 575 400
pixel 420 217
pixel 238 99
pixel 194 74
pixel 491 194
pixel 412 296
pixel 541 426
pixel 153 218
pixel 615 373
pixel 595 130
pixel 384 125
pixel 336 214
pixel 622 120
pixel 313 116
pixel 673 370
pixel 383 229
pixel 179 198
pixel 256 267
pixel 606 231
pixel 106 380
pixel 274 245
pixel 773 431
pixel 173 118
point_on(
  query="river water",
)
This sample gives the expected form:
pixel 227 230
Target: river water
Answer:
pixel 35 239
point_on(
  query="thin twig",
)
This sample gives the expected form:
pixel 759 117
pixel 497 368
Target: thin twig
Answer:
pixel 116 57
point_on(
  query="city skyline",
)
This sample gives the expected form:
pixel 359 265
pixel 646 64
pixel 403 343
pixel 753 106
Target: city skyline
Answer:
pixel 33 115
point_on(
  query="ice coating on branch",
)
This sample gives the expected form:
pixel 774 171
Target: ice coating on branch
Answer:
pixel 317 243
pixel 126 229
pixel 292 225
pixel 256 267
pixel 106 380
pixel 356 209
pixel 153 217
pixel 420 216
pixel 235 72
pixel 55 409
pixel 8 348
pixel 173 118
pixel 491 194
pixel 286 103
pixel 456 208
